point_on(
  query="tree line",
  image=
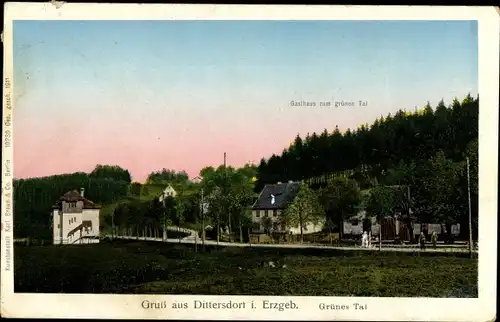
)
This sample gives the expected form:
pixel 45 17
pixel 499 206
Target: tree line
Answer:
pixel 34 197
pixel 422 191
pixel 167 176
pixel 367 153
pixel 413 164
pixel 220 200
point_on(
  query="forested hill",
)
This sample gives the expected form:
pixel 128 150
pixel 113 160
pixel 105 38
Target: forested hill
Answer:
pixel 368 152
pixel 34 197
pixel 404 141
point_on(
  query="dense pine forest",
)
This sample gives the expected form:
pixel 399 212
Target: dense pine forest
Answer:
pixel 424 151
pixel 370 151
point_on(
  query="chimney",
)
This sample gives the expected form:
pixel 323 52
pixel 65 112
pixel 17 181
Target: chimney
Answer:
pixel 82 191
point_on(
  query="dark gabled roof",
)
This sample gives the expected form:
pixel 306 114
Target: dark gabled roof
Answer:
pixel 73 196
pixel 284 193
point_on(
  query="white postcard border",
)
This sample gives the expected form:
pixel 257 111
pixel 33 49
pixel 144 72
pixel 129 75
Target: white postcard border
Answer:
pixel 130 306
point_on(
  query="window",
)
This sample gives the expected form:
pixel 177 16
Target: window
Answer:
pixel 266 214
pixel 257 213
pixel 58 226
pixel 275 212
pixel 355 222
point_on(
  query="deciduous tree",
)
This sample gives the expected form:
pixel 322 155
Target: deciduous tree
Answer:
pixel 381 203
pixel 341 200
pixel 305 209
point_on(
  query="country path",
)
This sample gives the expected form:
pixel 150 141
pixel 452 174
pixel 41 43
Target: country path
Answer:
pixel 193 239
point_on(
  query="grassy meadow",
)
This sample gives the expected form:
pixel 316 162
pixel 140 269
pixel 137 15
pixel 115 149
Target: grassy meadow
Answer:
pixel 130 267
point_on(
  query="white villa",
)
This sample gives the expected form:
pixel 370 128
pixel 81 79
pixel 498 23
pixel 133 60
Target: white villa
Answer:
pixel 167 192
pixel 274 199
pixel 75 220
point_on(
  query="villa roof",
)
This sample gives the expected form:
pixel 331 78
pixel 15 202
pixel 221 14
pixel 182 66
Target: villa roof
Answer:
pixel 74 196
pixel 284 193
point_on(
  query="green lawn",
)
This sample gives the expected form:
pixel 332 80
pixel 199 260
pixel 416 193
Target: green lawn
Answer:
pixel 139 267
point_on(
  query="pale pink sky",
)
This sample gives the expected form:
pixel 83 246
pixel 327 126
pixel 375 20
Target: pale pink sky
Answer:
pixel 177 95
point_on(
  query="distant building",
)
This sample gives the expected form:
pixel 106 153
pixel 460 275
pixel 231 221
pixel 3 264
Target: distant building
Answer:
pixel 196 180
pixel 167 192
pixel 392 227
pixel 272 201
pixel 354 225
pixel 75 219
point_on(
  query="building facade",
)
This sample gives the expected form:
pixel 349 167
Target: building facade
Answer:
pixel 75 220
pixel 169 191
pixel 392 227
pixel 272 201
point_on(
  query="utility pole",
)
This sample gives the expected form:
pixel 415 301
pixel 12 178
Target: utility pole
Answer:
pixel 202 212
pixel 409 215
pixel 470 211
pixel 202 220
pixel 224 198
pixel 380 234
pixel 61 230
pixel 164 236
pixel 113 225
pixel 226 203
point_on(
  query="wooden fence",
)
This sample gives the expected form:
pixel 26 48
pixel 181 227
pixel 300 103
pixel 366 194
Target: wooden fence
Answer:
pixel 283 238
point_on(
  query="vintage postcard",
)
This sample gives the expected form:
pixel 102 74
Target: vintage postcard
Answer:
pixel 221 162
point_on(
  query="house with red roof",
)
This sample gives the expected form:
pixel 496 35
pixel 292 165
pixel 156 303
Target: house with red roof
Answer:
pixel 75 219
